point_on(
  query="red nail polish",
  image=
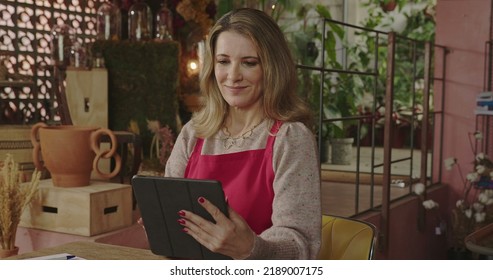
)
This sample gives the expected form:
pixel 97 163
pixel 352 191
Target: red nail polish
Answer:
pixel 181 221
pixel 201 200
pixel 181 213
pixel 184 229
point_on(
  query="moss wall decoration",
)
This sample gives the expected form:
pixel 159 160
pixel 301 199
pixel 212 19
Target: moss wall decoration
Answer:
pixel 142 84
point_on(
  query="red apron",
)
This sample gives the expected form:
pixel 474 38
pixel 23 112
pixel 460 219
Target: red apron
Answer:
pixel 247 179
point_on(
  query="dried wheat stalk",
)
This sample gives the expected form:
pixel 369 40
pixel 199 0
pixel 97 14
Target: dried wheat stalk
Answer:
pixel 14 197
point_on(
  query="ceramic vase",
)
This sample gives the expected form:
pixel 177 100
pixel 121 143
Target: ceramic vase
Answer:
pixel 71 153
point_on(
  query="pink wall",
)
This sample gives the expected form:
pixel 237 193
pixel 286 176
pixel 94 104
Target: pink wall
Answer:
pixel 463 26
pixel 406 240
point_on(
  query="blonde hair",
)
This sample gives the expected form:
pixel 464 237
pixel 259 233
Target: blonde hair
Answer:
pixel 280 100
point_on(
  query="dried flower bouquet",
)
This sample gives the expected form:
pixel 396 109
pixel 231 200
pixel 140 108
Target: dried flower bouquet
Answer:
pixel 14 197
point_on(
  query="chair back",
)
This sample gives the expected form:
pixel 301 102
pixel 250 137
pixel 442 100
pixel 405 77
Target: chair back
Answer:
pixel 346 239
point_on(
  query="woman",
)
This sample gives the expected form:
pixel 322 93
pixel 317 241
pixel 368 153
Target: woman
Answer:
pixel 252 135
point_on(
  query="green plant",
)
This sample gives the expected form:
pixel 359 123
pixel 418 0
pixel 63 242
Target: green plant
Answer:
pixel 142 84
pixel 353 50
pixel 342 90
pixel 415 24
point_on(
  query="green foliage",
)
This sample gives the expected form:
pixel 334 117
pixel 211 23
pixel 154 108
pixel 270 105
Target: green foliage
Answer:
pixel 419 28
pixel 142 84
pixel 344 91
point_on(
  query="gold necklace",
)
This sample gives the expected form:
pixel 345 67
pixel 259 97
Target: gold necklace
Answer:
pixel 230 141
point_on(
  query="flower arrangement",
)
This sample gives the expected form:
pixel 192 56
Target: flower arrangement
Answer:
pixel 474 208
pixel 14 197
pixel 191 14
pixel 162 142
pixel 160 148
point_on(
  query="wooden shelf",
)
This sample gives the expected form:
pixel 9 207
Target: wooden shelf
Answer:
pixel 16 84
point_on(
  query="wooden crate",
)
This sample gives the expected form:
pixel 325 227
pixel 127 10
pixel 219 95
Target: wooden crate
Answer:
pixel 16 140
pixel 98 208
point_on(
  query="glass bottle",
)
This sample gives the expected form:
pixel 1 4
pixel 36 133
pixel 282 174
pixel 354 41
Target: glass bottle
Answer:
pixel 78 56
pixel 164 23
pixel 62 39
pixel 139 21
pixel 108 22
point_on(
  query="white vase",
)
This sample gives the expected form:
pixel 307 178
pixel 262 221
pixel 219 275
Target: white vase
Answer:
pixel 342 150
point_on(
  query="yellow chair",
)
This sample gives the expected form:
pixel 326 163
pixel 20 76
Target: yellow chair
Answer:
pixel 346 239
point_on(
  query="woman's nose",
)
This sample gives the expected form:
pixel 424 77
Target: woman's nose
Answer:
pixel 234 73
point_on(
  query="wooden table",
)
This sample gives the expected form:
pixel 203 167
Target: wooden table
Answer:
pixel 93 251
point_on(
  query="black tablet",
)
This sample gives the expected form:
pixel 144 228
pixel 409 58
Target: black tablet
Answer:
pixel 159 200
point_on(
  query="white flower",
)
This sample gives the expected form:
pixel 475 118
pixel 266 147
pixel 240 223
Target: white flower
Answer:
pixel 479 217
pixel 479 156
pixel 153 126
pixel 419 188
pixel 486 197
pixel 478 135
pixel 478 207
pixel 430 204
pixel 488 193
pixel 449 162
pixel 472 177
pixel 480 169
pixel 483 198
pixel 459 203
pixel 468 213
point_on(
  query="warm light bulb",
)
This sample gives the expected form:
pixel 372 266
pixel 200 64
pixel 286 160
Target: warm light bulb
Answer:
pixel 193 67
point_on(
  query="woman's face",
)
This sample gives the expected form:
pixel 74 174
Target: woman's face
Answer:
pixel 238 71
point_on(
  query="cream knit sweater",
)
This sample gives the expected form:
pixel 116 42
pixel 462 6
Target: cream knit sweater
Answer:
pixel 296 217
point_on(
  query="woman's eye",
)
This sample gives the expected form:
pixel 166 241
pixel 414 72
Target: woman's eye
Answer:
pixel 222 61
pixel 251 63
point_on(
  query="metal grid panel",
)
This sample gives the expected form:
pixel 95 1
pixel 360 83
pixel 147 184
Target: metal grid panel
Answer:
pixel 25 38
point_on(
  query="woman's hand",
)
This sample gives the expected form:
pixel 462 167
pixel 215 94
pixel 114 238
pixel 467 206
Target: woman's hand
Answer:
pixel 228 236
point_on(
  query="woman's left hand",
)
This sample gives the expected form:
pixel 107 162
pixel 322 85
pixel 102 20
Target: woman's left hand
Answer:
pixel 228 236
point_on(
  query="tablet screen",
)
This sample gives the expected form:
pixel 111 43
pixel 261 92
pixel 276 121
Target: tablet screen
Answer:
pixel 160 198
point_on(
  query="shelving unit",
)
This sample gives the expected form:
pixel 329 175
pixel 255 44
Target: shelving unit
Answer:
pixel 20 102
pixel 484 118
pixel 483 124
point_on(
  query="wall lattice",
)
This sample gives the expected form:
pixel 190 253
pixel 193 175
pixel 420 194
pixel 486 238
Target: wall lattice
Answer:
pixel 28 95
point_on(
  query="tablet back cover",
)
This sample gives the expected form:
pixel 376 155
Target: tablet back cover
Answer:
pixel 159 200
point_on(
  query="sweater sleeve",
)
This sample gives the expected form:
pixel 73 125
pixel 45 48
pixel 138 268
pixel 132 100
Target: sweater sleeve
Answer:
pixel 178 159
pixel 297 214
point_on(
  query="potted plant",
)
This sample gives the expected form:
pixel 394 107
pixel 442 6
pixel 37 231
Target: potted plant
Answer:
pixel 14 197
pixel 474 209
pixel 342 93
pixel 474 206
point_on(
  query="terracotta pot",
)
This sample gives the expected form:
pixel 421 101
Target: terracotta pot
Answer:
pixel 388 7
pixel 5 253
pixel 70 153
